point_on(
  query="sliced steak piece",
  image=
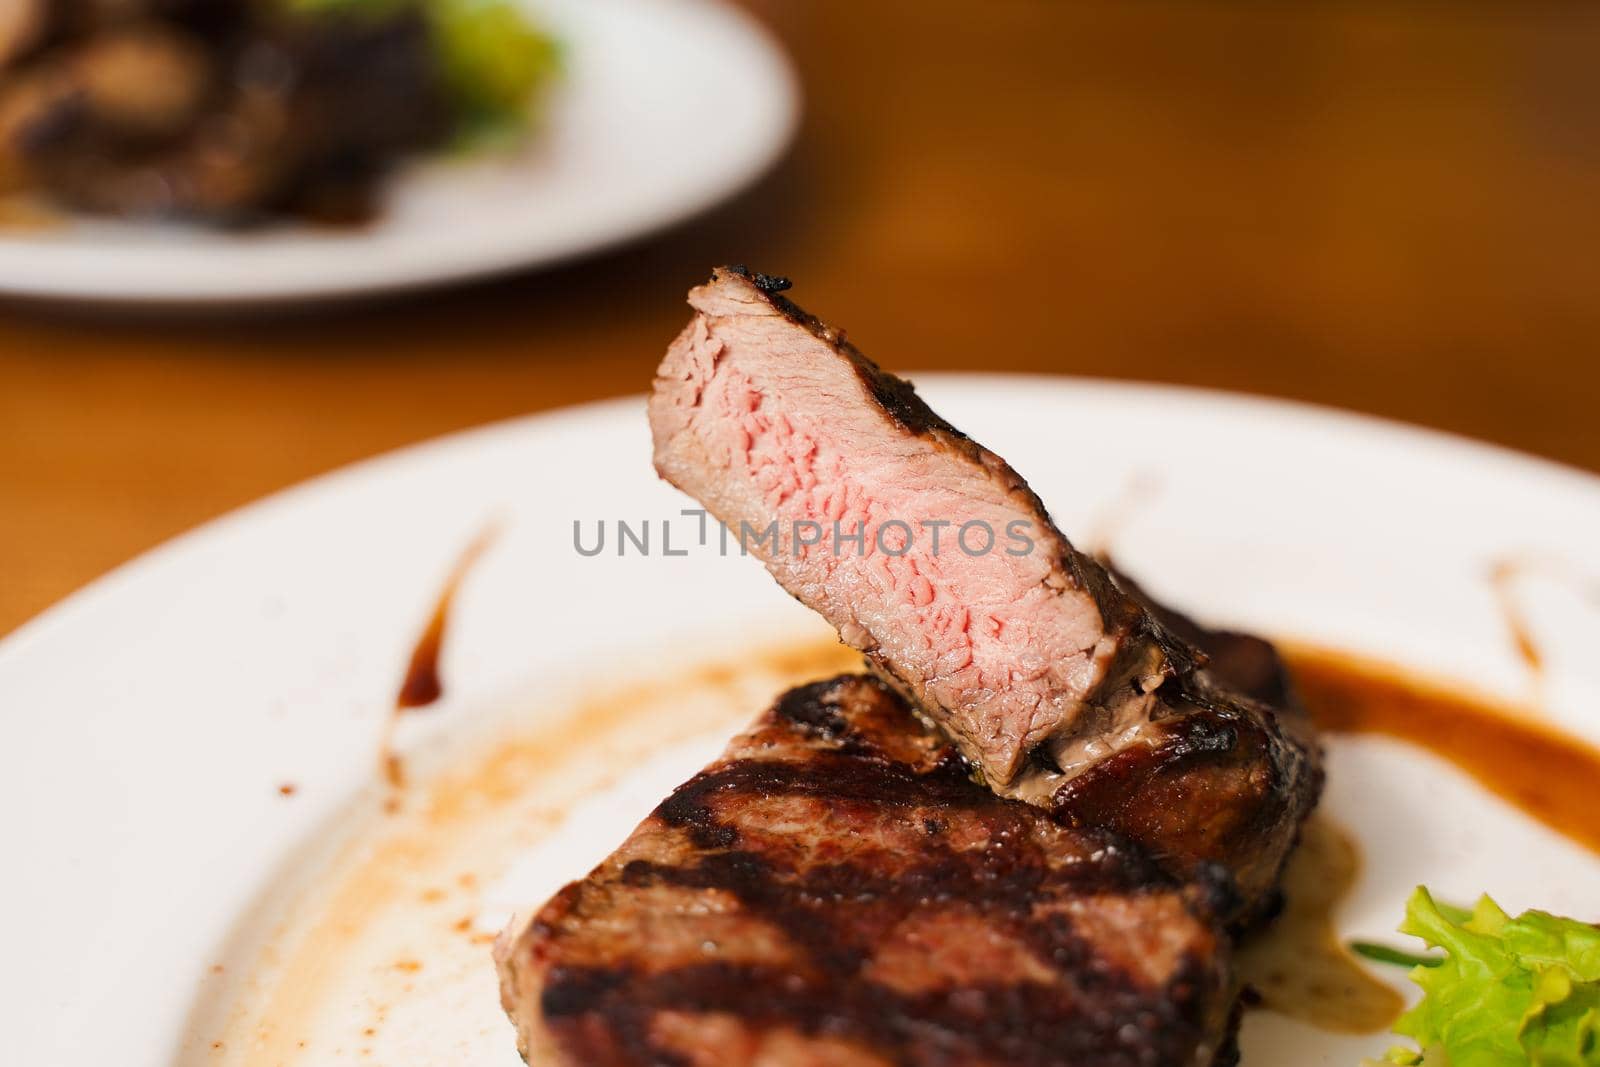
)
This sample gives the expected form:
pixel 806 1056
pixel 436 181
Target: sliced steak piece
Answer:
pixel 1064 688
pixel 773 422
pixel 837 890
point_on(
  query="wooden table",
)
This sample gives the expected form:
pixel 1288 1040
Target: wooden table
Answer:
pixel 1380 206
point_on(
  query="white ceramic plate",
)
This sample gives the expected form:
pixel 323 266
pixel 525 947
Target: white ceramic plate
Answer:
pixel 150 720
pixel 668 107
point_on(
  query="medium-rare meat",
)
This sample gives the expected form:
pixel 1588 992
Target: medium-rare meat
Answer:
pixel 776 424
pixel 836 890
pixel 935 559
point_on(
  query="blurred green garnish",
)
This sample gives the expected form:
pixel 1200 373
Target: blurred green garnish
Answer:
pixel 495 61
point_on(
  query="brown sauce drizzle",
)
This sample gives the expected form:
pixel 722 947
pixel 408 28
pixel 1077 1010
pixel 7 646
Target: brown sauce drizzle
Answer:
pixel 423 685
pixel 1550 776
pixel 1299 967
pixel 1503 577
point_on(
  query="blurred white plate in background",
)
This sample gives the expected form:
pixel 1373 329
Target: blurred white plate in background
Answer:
pixel 147 724
pixel 667 107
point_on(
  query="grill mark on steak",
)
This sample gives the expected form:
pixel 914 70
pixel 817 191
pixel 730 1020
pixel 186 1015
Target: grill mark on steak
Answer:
pixel 907 916
pixel 1063 684
pixel 1028 1025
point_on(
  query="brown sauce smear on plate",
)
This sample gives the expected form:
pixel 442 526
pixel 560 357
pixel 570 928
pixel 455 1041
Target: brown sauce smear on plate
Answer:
pixel 1550 776
pixel 1506 576
pixel 1503 577
pixel 423 685
pixel 337 978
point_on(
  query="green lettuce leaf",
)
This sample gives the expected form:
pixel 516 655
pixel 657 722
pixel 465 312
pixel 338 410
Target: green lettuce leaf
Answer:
pixel 1508 991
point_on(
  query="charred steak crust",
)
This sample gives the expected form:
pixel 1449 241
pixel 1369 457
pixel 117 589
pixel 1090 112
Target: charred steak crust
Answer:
pixel 837 890
pixel 1217 787
pixel 1067 687
pixel 1230 782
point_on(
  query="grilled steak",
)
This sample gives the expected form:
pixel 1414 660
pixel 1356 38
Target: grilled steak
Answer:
pixel 1227 782
pixel 836 890
pixel 1065 688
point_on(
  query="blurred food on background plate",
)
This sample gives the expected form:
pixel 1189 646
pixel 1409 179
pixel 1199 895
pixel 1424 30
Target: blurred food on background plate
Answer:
pixel 235 111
